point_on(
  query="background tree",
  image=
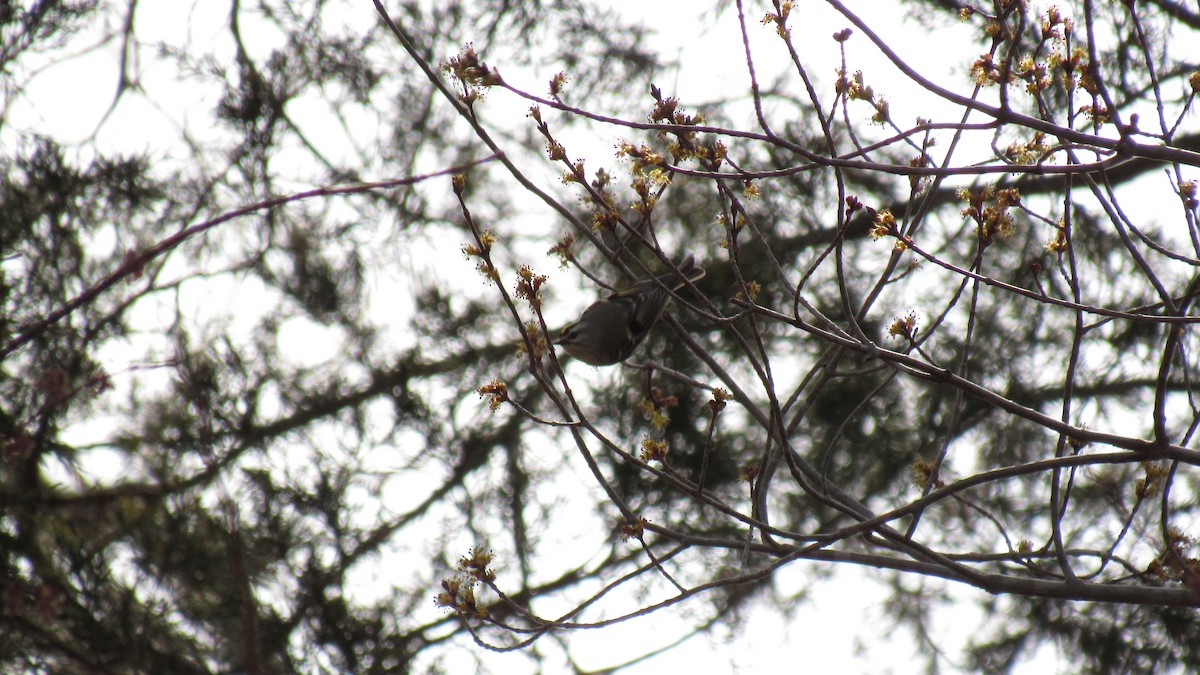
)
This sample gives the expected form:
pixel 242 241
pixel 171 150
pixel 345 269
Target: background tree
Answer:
pixel 249 425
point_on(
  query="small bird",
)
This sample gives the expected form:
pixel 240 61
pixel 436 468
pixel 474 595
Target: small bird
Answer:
pixel 613 327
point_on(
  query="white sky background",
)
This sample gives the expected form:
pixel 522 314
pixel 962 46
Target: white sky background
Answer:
pixel 843 614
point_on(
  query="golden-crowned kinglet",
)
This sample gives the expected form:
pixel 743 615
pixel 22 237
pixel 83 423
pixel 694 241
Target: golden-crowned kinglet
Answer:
pixel 611 328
